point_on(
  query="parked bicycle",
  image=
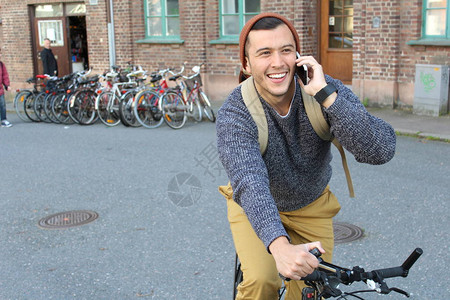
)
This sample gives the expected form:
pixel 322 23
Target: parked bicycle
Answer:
pixel 146 108
pixel 180 102
pixel 21 96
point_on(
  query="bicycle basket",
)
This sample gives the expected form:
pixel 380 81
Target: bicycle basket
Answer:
pixel 190 82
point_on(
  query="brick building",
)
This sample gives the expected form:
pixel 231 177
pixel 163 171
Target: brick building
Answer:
pixel 373 45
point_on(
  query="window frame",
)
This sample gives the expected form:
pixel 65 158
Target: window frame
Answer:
pixel 165 37
pixel 432 40
pixel 425 9
pixel 233 38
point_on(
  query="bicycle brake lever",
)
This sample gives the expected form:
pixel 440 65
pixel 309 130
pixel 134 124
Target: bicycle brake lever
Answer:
pixel 405 293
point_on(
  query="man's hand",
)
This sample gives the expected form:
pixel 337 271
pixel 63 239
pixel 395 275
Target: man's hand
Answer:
pixel 316 78
pixel 294 261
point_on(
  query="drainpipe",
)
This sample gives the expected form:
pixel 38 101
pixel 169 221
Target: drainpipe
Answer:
pixel 111 35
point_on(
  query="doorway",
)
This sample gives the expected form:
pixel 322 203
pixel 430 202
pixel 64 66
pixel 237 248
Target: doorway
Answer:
pixel 65 25
pixel 78 43
pixel 336 38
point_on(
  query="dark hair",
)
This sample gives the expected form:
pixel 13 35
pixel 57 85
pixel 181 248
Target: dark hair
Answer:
pixel 264 24
pixel 267 23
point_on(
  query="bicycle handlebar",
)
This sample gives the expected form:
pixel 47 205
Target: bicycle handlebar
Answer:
pixel 326 272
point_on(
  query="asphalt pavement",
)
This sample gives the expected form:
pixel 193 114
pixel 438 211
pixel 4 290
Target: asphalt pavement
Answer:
pixel 162 231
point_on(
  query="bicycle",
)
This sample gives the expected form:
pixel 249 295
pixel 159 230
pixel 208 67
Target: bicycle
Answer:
pixel 82 102
pixel 146 102
pixel 22 94
pixel 176 104
pixel 107 102
pixel 196 84
pixel 324 282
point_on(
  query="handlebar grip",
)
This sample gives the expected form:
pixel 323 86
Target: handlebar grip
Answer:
pixel 388 273
pixel 315 252
pixel 314 276
pixel 412 258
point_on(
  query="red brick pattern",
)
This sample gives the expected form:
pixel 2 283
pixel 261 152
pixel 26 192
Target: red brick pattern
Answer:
pixel 380 55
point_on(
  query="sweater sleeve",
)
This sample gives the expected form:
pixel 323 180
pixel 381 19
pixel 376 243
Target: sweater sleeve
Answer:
pixel 5 76
pixel 370 139
pixel 238 147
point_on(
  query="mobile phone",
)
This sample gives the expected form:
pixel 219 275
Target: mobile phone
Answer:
pixel 302 72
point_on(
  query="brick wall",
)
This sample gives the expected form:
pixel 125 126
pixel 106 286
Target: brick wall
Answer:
pixel 383 63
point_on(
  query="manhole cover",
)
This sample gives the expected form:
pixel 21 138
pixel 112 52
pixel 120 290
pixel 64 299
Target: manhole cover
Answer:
pixel 68 219
pixel 344 233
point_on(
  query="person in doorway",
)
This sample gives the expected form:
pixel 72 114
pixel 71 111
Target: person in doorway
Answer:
pixel 48 59
pixel 4 85
pixel 279 203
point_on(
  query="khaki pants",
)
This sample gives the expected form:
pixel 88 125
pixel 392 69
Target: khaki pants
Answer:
pixel 308 224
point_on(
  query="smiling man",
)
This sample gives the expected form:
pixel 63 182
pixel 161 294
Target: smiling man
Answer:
pixel 279 203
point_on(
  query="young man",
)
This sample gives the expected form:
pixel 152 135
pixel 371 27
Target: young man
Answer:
pixel 279 203
pixel 4 84
pixel 48 59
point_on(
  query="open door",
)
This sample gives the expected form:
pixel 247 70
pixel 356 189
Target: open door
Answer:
pixel 336 38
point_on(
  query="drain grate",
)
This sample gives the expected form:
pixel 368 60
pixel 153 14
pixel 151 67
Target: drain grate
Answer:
pixel 68 219
pixel 345 233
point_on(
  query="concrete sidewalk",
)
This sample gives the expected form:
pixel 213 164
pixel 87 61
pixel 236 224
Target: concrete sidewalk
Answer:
pixel 404 122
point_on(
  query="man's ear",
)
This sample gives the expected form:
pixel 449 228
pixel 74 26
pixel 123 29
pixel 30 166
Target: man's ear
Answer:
pixel 248 69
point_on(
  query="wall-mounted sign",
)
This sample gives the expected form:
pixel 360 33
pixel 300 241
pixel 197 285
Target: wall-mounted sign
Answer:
pixel 376 22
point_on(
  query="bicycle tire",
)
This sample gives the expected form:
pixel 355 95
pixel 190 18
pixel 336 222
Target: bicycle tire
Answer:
pixel 146 109
pixel 195 109
pixel 173 109
pixel 207 109
pixel 28 106
pixel 59 108
pixel 126 111
pixel 48 108
pixel 85 100
pixel 38 106
pixel 72 108
pixel 19 104
pixel 107 105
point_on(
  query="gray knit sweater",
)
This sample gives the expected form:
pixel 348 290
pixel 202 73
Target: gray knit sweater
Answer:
pixel 296 166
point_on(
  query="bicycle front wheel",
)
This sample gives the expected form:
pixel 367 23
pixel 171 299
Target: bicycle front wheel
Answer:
pixel 59 108
pixel 85 101
pixel 28 106
pixel 126 112
pixel 195 109
pixel 146 109
pixel 173 109
pixel 38 106
pixel 107 105
pixel 18 105
pixel 207 109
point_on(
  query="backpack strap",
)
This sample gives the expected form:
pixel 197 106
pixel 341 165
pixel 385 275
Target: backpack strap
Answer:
pixel 315 116
pixel 254 105
pixel 322 129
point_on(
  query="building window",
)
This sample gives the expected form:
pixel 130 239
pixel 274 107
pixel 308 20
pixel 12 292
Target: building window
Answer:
pixel 52 30
pixel 162 19
pixel 435 16
pixel 234 14
pixel 49 10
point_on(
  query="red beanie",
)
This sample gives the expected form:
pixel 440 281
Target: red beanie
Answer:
pixel 246 30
